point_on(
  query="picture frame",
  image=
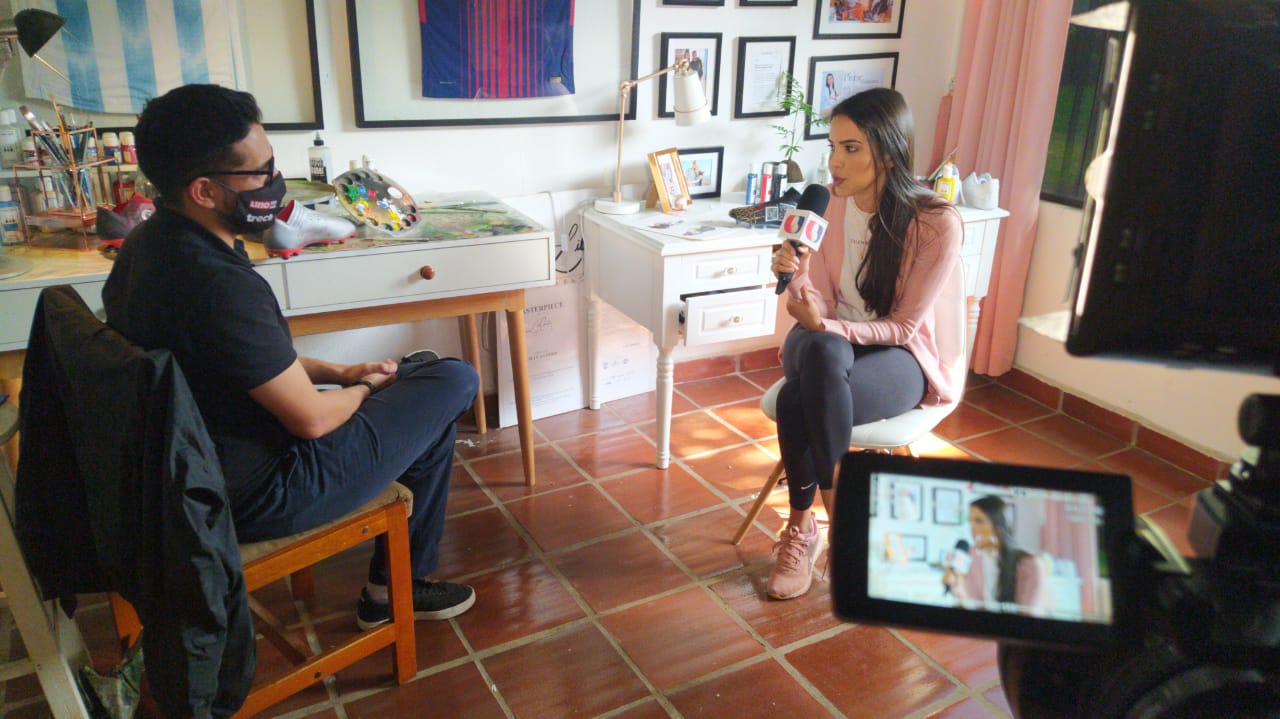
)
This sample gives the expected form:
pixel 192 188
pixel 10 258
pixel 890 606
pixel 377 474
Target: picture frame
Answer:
pixel 858 19
pixel 833 78
pixel 704 50
pixel 702 180
pixel 946 506
pixel 697 3
pixel 768 3
pixel 761 64
pixel 906 501
pixel 916 546
pixel 387 75
pixel 668 179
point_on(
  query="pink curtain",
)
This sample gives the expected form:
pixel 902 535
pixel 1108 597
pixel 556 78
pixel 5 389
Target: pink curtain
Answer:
pixel 1065 536
pixel 1000 119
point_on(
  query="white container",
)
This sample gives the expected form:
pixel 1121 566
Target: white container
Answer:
pixel 948 183
pixel 11 136
pixel 128 150
pixel 29 152
pixel 319 160
pixel 111 147
pixel 10 218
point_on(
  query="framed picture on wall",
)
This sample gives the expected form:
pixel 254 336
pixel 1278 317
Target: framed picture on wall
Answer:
pixel 832 79
pixel 668 179
pixel 703 3
pixel 768 3
pixel 907 501
pixel 864 19
pixel 702 50
pixel 946 506
pixel 762 63
pixel 703 169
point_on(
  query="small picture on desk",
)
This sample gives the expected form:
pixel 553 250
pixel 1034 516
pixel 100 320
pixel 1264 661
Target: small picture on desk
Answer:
pixel 668 179
pixel 703 170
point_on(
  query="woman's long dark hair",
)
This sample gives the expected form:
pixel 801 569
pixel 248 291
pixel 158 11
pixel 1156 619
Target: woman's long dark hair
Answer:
pixel 1007 555
pixel 882 114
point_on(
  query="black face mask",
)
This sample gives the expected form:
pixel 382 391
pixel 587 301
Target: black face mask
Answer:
pixel 256 210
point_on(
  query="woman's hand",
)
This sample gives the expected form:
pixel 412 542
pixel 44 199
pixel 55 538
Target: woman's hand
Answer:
pixel 805 312
pixel 353 373
pixel 788 259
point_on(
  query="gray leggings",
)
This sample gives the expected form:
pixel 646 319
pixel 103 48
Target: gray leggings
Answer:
pixel 831 386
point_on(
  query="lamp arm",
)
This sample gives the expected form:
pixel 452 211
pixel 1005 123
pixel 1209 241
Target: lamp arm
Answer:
pixel 623 89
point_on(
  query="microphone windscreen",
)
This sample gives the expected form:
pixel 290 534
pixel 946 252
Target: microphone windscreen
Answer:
pixel 814 199
pixel 963 544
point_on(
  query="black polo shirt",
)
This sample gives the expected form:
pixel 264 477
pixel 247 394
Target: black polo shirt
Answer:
pixel 178 286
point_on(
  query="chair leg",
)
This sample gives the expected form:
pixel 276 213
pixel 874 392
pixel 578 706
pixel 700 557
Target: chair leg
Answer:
pixel 302 584
pixel 765 491
pixel 400 594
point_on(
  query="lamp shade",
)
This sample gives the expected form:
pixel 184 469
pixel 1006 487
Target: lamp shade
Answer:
pixel 691 106
pixel 35 28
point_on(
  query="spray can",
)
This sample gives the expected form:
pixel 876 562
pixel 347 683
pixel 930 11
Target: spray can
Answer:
pixel 10 218
pixel 128 150
pixel 319 160
pixel 753 187
pixel 766 182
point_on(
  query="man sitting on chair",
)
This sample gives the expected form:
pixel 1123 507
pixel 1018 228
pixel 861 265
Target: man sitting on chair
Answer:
pixel 294 457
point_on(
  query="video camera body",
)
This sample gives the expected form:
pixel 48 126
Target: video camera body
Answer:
pixel 1156 635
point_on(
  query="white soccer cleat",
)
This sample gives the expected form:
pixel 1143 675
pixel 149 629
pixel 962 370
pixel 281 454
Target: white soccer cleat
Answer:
pixel 298 227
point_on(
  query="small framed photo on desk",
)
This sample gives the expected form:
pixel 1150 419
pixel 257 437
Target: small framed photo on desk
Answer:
pixel 703 169
pixel 668 179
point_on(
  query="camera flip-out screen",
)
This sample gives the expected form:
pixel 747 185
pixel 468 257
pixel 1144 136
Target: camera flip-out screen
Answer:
pixel 1014 553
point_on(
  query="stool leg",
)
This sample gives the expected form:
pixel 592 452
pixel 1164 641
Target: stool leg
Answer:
pixel 400 593
pixel 302 583
pixel 765 491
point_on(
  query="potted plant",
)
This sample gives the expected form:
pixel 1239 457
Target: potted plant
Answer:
pixel 793 104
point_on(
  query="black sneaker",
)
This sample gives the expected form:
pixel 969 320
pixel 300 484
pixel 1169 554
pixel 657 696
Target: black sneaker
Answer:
pixel 767 214
pixel 420 356
pixel 431 600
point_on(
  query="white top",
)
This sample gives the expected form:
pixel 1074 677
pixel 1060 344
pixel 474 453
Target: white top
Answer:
pixel 990 573
pixel 850 305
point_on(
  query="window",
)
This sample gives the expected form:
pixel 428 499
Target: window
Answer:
pixel 1078 118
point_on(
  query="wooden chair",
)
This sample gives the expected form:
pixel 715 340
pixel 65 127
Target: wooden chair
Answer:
pixel 55 649
pixel 293 556
pixel 892 433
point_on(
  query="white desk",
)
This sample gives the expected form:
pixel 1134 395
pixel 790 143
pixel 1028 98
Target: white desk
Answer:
pixel 365 283
pixel 687 292
pixel 696 292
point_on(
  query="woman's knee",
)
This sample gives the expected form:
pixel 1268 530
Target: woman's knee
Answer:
pixel 817 352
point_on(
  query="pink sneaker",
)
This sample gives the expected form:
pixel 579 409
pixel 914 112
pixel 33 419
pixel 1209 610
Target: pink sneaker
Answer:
pixel 796 554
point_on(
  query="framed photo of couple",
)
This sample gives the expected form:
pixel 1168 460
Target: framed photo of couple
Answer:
pixel 703 169
pixel 832 79
pixel 702 50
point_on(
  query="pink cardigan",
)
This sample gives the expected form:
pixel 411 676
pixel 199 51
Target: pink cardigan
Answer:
pixel 933 248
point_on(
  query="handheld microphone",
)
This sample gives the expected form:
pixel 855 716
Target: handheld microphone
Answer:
pixel 959 561
pixel 804 225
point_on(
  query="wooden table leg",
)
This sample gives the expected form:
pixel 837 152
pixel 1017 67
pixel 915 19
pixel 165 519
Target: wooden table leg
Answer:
pixel 520 375
pixel 471 348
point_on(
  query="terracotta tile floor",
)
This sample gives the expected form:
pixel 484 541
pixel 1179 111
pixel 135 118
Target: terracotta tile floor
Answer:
pixel 611 589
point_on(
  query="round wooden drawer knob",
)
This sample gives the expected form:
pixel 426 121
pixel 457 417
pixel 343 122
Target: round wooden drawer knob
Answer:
pixel 427 272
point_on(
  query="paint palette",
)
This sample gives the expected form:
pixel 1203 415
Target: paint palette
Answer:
pixel 376 200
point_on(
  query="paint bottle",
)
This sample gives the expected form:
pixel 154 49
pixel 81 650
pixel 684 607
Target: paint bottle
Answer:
pixel 29 153
pixel 10 218
pixel 766 182
pixel 823 175
pixel 319 160
pixel 90 151
pixel 10 138
pixel 111 147
pixel 128 150
pixel 753 187
pixel 948 183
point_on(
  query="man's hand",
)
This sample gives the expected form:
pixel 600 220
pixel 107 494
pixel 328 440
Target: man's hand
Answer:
pixel 365 370
pixel 805 312
pixel 379 379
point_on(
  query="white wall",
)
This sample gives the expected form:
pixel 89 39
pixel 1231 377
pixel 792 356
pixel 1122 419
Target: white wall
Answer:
pixel 1197 407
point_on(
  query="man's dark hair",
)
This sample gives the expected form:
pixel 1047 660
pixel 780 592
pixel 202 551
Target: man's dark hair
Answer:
pixel 189 131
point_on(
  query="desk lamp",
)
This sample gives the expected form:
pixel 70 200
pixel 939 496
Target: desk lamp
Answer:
pixel 32 29
pixel 691 108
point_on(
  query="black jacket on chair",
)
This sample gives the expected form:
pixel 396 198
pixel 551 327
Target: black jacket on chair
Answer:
pixel 119 488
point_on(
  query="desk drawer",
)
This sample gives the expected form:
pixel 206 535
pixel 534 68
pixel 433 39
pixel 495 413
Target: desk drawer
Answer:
pixel 721 270
pixel 395 275
pixel 19 307
pixel 730 316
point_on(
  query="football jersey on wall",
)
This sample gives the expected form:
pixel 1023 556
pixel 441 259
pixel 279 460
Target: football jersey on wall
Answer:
pixel 478 49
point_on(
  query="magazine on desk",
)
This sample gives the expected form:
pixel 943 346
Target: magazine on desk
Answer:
pixel 699 222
